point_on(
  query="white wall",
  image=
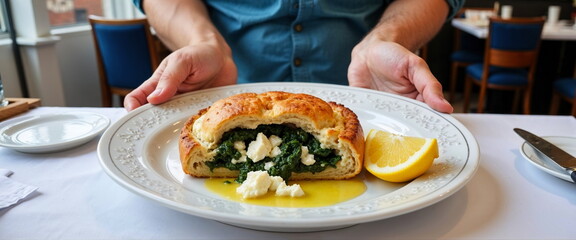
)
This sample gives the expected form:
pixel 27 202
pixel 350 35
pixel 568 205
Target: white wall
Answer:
pixel 75 54
pixel 8 70
pixel 78 67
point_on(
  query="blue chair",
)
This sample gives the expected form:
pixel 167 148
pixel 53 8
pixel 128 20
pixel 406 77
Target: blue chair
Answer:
pixel 510 57
pixel 468 50
pixel 564 88
pixel 126 53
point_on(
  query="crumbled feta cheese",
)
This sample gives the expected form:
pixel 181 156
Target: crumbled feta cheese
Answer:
pixel 293 190
pixel 276 181
pixel 275 152
pixel 275 140
pixel 240 160
pixel 241 147
pixel 306 158
pixel 256 184
pixel 259 148
pixel 268 165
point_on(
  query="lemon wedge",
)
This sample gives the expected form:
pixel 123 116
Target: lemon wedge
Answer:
pixel 397 158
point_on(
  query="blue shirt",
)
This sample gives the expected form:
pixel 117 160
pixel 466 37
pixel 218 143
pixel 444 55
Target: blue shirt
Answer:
pixel 295 40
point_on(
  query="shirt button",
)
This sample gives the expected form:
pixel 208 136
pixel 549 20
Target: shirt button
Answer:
pixel 298 27
pixel 297 62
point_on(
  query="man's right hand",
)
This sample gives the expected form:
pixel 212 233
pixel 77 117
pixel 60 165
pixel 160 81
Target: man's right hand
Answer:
pixel 186 69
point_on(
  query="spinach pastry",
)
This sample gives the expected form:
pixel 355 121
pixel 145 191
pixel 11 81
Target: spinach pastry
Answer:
pixel 293 135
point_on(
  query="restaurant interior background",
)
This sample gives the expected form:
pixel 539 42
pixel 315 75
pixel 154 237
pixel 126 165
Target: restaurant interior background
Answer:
pixel 556 58
pixel 59 62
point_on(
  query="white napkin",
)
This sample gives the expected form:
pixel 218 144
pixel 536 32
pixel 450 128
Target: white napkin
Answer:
pixel 12 191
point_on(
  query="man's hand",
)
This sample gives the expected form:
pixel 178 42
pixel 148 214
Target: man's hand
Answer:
pixel 201 58
pixel 389 67
pixel 186 69
pixel 383 60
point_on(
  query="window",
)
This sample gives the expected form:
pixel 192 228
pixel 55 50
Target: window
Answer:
pixel 3 24
pixel 66 13
pixel 72 12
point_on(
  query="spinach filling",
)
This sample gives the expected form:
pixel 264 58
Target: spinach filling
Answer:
pixel 285 163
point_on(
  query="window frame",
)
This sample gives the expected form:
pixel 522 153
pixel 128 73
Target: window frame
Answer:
pixel 115 9
pixel 4 34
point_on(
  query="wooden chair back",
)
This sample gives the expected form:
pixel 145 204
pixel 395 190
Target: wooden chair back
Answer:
pixel 512 46
pixel 514 43
pixel 126 53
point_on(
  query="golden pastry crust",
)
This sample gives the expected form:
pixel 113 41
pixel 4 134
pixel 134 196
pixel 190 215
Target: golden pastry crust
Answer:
pixel 334 125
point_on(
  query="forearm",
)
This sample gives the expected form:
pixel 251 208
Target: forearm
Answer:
pixel 180 23
pixel 411 23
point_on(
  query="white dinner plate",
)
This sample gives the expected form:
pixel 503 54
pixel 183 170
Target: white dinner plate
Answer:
pixel 140 152
pixel 51 132
pixel 539 160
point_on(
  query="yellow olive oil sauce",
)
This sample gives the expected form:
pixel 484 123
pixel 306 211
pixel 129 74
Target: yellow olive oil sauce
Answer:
pixel 318 193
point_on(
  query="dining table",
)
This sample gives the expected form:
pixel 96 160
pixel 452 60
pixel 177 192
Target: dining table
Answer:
pixel 507 196
pixel 562 31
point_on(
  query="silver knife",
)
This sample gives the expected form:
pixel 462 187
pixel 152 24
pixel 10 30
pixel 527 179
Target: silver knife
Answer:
pixel 559 156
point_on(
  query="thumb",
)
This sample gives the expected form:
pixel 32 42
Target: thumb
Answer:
pixel 433 96
pixel 430 89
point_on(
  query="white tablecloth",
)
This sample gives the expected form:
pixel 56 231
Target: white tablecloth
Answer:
pixel 508 198
pixel 562 32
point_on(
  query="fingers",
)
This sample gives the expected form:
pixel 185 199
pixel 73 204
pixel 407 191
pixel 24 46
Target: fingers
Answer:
pixel 429 88
pixel 168 79
pixel 139 96
pixel 434 97
pixel 187 69
pixel 163 84
pixel 160 87
pixel 392 68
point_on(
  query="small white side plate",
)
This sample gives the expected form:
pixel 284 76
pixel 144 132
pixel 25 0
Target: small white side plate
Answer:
pixel 52 132
pixel 539 160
